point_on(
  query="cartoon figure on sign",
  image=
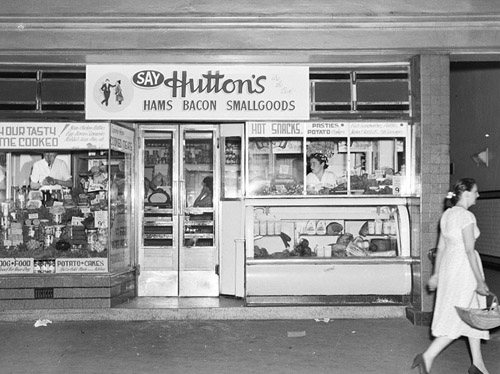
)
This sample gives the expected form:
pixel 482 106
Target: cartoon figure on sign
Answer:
pixel 118 92
pixel 106 89
pixel 113 93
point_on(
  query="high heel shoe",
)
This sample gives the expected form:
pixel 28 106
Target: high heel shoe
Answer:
pixel 419 361
pixel 474 370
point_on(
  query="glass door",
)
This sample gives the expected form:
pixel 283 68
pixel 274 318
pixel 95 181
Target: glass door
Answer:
pixel 178 249
pixel 198 256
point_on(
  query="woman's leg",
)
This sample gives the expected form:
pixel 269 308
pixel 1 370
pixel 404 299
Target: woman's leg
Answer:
pixel 477 356
pixel 437 345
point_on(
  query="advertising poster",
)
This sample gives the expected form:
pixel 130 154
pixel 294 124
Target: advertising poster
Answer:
pixel 16 266
pixel 196 92
pixel 81 265
pixel 54 135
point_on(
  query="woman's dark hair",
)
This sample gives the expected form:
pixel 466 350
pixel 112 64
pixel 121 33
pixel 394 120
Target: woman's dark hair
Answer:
pixel 321 158
pixel 209 182
pixel 462 185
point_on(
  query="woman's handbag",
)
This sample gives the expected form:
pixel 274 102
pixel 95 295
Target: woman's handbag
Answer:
pixel 482 319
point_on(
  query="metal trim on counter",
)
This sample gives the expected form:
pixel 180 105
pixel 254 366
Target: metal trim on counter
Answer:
pixel 322 201
pixel 343 261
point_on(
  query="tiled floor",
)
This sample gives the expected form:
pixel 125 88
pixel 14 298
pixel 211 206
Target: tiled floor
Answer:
pixel 181 303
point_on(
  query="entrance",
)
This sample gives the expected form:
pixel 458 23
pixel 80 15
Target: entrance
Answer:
pixel 178 253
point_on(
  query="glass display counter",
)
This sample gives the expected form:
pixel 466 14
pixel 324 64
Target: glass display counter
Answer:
pixel 312 251
pixel 323 233
pixel 81 223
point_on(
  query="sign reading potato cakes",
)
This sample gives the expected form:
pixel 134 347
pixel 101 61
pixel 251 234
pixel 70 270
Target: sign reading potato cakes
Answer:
pixel 202 92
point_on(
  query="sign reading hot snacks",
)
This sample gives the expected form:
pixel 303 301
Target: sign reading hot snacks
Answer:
pixel 203 92
pixel 82 265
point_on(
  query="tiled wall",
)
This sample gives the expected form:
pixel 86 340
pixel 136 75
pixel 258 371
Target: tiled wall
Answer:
pixel 435 161
pixel 66 291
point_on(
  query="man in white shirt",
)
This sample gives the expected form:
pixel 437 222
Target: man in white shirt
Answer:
pixel 50 171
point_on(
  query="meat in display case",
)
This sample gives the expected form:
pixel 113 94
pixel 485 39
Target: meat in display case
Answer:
pixel 309 252
pixel 326 233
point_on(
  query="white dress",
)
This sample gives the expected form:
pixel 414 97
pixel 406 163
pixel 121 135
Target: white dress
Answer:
pixel 456 281
pixel 328 179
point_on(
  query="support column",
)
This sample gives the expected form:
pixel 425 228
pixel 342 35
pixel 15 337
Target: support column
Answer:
pixel 434 144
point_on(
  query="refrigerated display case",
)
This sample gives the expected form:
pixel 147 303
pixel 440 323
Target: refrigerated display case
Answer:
pixel 306 252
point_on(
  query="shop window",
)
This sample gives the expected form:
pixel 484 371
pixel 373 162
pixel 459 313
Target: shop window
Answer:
pixel 380 93
pixel 328 158
pixel 42 92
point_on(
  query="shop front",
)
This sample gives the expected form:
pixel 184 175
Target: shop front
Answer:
pixel 229 199
pixel 208 180
pixel 67 203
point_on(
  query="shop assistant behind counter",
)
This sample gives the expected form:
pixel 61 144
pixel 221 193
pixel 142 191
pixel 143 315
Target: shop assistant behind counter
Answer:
pixel 319 178
pixel 50 171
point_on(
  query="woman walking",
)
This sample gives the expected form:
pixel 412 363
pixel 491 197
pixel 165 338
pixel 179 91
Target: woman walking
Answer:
pixel 458 278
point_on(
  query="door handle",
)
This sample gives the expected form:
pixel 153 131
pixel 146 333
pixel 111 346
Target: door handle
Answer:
pixel 181 201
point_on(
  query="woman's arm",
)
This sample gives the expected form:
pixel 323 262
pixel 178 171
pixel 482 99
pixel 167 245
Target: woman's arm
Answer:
pixel 469 242
pixel 433 280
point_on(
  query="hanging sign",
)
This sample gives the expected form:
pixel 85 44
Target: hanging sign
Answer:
pixel 54 135
pixel 197 92
pixel 122 139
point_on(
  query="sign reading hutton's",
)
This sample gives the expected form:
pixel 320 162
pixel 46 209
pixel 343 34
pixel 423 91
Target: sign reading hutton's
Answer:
pixel 197 92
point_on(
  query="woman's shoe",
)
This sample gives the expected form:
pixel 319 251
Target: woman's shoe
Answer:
pixel 474 370
pixel 419 361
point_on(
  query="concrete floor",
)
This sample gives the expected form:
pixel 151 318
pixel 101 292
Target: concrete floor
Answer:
pixel 220 335
pixel 265 346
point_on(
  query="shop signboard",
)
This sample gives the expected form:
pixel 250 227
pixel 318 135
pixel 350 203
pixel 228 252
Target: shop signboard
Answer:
pixel 54 135
pixel 122 139
pixel 16 266
pixel 196 92
pixel 269 129
pixel 82 265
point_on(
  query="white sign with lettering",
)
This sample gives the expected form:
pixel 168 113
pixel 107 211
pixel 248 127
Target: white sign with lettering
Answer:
pixel 54 135
pixel 16 265
pixel 82 265
pixel 201 92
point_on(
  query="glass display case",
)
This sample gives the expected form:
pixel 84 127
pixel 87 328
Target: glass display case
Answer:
pixel 313 253
pixel 78 225
pixel 319 233
pixel 328 158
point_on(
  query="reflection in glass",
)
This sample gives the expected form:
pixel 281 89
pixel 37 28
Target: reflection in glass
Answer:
pixel 276 166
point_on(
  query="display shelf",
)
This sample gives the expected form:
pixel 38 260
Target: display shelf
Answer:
pixel 198 223
pixel 158 236
pixel 199 167
pixel 148 223
pixel 198 236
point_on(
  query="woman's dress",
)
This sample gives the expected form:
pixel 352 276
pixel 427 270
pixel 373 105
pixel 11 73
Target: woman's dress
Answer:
pixel 456 281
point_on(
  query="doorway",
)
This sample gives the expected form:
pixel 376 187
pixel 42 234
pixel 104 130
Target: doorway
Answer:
pixel 178 249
